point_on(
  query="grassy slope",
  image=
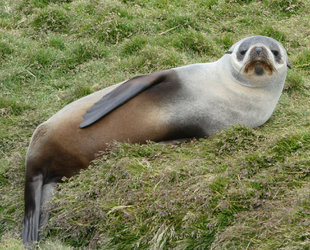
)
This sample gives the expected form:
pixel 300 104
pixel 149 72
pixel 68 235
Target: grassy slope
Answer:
pixel 241 189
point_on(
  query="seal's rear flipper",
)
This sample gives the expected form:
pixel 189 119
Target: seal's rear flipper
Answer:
pixel 33 191
pixel 120 95
pixel 47 193
pixel 36 208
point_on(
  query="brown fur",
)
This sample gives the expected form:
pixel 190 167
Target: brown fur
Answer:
pixel 40 132
pixel 249 68
pixel 60 148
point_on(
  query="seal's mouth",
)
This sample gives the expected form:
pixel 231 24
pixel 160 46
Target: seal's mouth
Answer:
pixel 259 67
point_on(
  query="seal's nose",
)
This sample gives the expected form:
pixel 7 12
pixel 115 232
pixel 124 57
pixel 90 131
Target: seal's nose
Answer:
pixel 258 50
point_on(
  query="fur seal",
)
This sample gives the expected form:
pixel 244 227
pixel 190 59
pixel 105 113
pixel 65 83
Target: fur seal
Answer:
pixel 242 87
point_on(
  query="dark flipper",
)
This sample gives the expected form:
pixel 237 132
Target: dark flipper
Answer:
pixel 33 191
pixel 120 95
pixel 175 142
pixel 36 208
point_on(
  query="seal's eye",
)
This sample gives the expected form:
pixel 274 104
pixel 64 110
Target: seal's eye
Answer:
pixel 275 52
pixel 242 52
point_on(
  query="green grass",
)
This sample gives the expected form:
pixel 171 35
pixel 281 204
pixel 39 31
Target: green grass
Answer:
pixel 242 189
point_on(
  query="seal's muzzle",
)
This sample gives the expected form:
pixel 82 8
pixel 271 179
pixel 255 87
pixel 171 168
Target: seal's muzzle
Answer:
pixel 258 62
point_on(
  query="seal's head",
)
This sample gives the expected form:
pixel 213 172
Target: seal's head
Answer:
pixel 258 60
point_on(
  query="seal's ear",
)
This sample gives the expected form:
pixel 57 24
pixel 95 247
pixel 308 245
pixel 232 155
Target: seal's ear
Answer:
pixel 228 52
pixel 289 66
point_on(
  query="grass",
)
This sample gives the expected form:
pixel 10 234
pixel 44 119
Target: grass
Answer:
pixel 242 189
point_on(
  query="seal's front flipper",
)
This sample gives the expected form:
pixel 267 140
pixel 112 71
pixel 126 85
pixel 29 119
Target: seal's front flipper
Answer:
pixel 175 142
pixel 120 95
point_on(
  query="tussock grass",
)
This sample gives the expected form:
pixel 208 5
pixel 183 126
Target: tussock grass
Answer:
pixel 144 196
pixel 242 189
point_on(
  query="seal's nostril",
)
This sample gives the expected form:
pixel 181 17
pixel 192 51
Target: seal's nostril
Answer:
pixel 258 50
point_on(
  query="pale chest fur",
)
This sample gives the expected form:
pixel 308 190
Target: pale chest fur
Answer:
pixel 215 100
